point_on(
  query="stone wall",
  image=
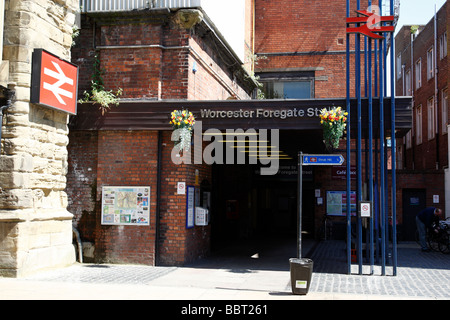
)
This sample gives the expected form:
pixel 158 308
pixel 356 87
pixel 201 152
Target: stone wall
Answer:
pixel 35 226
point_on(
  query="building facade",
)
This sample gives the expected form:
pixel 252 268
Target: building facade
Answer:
pixel 35 225
pixel 172 58
pixel 422 72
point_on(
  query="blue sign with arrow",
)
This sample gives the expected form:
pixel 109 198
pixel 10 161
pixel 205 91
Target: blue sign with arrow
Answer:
pixel 323 159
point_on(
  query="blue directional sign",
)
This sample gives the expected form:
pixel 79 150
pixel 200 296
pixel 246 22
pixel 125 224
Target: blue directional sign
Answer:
pixel 323 159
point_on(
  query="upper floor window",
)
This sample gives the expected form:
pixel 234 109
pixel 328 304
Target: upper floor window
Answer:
pixel 418 73
pixel 430 63
pixel 399 66
pixel 444 110
pixel 419 124
pixel 408 83
pixel 431 118
pixel 289 85
pixel 443 46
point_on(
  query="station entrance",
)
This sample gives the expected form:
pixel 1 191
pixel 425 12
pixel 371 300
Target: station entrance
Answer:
pixel 247 206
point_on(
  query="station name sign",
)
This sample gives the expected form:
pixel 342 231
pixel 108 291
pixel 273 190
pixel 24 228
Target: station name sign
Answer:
pixel 261 113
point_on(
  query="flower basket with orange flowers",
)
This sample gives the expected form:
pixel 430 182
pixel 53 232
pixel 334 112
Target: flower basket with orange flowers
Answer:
pixel 333 122
pixel 182 122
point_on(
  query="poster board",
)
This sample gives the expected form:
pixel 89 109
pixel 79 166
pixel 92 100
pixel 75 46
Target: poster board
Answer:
pixel 337 203
pixel 190 206
pixel 126 205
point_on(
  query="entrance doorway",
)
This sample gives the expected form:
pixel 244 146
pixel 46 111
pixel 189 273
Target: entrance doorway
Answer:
pixel 247 207
pixel 413 201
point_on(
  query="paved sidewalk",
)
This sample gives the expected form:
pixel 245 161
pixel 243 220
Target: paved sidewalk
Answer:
pixel 246 273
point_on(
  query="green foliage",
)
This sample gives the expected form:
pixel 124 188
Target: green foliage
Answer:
pixel 97 94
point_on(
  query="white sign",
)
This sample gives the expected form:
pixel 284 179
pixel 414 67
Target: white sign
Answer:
pixel 435 198
pixel 364 209
pixel 181 188
pixel 201 216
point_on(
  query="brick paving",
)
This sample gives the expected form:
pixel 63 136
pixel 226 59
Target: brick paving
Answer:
pixel 419 274
pixel 240 274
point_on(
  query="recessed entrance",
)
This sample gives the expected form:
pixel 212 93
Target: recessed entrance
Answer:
pixel 247 206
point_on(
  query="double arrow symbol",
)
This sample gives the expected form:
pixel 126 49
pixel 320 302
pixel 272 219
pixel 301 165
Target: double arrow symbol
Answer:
pixel 55 88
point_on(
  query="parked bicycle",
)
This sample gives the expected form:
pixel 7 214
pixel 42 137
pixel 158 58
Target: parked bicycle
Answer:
pixel 439 239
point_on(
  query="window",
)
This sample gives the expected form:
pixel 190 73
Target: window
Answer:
pixel 430 63
pixel 399 157
pixel 289 85
pixel 443 46
pixel 444 110
pixel 419 124
pixel 418 73
pixel 431 118
pixel 408 139
pixel 289 89
pixel 399 66
pixel 408 83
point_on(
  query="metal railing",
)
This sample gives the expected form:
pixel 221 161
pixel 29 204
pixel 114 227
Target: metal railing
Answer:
pixel 126 5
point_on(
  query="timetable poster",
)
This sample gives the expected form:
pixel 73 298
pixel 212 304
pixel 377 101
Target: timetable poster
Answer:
pixel 126 206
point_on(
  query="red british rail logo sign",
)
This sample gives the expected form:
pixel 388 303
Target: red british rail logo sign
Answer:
pixel 54 82
pixel 370 24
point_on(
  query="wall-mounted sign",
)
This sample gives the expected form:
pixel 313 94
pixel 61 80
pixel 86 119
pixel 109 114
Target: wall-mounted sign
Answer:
pixel 340 172
pixel 126 206
pixel 54 82
pixel 282 113
pixel 190 206
pixel 337 203
pixel 181 188
pixel 365 209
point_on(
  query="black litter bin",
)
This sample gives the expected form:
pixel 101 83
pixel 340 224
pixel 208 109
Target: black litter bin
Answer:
pixel 301 272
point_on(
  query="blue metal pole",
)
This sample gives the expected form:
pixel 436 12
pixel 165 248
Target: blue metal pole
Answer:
pixel 377 193
pixel 382 172
pixel 393 152
pixel 375 60
pixel 358 141
pixel 348 213
pixel 366 71
pixel 370 155
pixel 358 144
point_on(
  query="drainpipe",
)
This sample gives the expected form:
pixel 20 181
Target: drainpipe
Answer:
pixel 436 92
pixel 158 197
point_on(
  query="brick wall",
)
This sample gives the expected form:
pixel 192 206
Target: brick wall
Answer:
pixel 119 158
pixel 126 159
pixel 156 61
pixel 82 181
pixel 316 40
pixel 148 60
pixel 177 243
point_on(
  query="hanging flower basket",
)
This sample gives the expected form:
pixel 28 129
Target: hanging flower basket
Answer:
pixel 183 121
pixel 333 122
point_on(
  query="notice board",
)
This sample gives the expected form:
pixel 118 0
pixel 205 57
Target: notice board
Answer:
pixel 126 206
pixel 337 203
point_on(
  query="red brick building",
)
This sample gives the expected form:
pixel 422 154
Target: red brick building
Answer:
pixel 423 152
pixel 166 59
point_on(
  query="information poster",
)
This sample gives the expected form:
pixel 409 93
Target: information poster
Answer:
pixel 126 206
pixel 190 203
pixel 337 203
